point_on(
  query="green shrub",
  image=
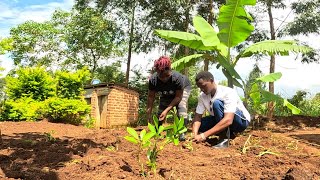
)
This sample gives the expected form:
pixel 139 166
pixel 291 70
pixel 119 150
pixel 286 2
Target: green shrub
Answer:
pixel 22 109
pixel 308 107
pixel 34 82
pixel 70 85
pixel 66 110
pixel 89 122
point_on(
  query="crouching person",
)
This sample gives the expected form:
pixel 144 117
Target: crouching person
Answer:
pixel 227 112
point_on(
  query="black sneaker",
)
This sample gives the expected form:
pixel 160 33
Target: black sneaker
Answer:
pixel 223 143
pixel 182 137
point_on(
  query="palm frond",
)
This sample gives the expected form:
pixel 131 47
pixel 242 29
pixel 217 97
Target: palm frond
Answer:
pixel 184 38
pixel 275 47
pixel 185 62
pixel 234 22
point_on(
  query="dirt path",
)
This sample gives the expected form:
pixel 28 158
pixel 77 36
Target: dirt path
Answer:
pixel 43 150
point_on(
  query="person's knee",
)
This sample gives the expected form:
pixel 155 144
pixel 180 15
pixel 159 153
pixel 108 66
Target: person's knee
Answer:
pixel 217 103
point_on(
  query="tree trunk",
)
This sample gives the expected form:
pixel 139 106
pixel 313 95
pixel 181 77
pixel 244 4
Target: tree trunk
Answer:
pixel 272 62
pixel 130 44
pixel 210 21
pixel 186 49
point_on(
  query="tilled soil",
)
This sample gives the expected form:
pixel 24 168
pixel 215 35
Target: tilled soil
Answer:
pixel 286 148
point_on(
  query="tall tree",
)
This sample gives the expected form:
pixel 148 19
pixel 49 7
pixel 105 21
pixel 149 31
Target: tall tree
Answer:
pixel 270 4
pixel 36 43
pixel 5 46
pixel 70 39
pixel 306 22
pixel 90 37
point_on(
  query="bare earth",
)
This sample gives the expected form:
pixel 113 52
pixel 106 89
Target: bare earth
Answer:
pixel 286 148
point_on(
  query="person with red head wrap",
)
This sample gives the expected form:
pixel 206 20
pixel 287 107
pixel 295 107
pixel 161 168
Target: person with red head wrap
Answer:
pixel 172 87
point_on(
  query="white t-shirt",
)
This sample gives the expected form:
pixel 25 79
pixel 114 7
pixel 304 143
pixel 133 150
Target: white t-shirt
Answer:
pixel 228 96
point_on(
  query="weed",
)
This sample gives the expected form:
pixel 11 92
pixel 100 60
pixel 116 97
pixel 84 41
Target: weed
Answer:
pixel 90 123
pixel 111 148
pixel 49 137
pixel 188 143
pixel 29 142
pixel 268 151
pixel 293 145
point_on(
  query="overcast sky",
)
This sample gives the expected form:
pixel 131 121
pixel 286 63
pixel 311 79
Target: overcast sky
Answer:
pixel 296 76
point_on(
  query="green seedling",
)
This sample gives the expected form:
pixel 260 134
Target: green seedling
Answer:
pixel 248 145
pixel 111 148
pixel 29 142
pixel 142 141
pixel 188 145
pixel 268 151
pixel 49 137
pixel 155 140
pixel 293 145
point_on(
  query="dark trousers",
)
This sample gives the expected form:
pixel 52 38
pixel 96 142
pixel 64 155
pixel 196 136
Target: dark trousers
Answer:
pixel 239 123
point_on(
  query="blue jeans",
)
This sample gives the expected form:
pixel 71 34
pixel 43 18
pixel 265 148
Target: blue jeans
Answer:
pixel 239 123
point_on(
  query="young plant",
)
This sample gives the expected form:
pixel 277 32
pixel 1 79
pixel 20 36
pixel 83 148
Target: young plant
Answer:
pixel 49 137
pixel 155 140
pixel 260 96
pixel 142 141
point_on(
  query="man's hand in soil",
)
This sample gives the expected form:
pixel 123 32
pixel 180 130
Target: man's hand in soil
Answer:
pixel 199 137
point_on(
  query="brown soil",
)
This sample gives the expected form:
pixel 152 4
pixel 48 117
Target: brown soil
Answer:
pixel 286 148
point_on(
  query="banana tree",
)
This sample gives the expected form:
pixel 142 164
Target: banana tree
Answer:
pixel 234 28
pixel 260 96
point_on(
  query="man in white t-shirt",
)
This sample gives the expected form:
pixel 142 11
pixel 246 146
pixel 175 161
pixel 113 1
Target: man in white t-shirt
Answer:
pixel 227 112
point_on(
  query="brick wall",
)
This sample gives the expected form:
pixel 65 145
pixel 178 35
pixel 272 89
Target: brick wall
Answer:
pixel 122 107
pixel 113 106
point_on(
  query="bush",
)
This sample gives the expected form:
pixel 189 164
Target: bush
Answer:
pixel 22 109
pixel 31 82
pixel 70 85
pixel 71 111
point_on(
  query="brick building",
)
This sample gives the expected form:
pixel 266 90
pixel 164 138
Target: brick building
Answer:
pixel 112 105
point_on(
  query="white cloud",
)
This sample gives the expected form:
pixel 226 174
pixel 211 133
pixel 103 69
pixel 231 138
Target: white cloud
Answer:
pixel 296 76
pixel 11 16
pixel 6 63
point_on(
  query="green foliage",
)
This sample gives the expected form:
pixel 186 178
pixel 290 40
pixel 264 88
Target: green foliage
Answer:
pixel 234 28
pixel 110 74
pixel 90 37
pixel 32 96
pixel 70 85
pixel 35 83
pixel 72 111
pixel 69 40
pixel 154 140
pixel 22 109
pixel 260 96
pixel 250 85
pixel 49 136
pixel 274 47
pixel 89 122
pixel 308 107
pixel 233 22
pixel 307 18
pixel 36 43
pixel 5 45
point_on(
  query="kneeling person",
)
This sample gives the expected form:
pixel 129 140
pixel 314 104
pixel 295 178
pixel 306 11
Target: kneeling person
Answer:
pixel 227 112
